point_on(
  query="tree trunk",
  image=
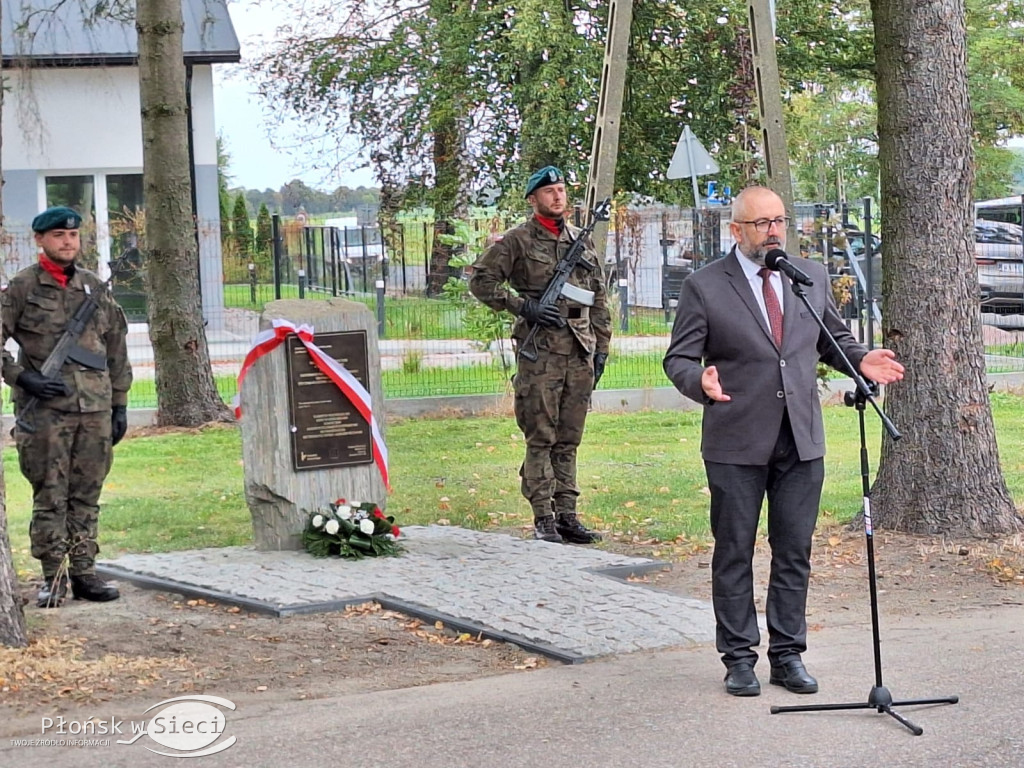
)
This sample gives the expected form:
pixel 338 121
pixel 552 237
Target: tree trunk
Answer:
pixel 12 617
pixel 392 198
pixel 185 388
pixel 944 475
pixel 449 199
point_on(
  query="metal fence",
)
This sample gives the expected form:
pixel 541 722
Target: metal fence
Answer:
pixel 425 346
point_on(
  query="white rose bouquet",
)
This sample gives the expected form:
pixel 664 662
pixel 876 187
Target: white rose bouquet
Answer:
pixel 351 529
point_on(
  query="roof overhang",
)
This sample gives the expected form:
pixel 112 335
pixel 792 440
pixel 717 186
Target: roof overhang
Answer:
pixel 35 33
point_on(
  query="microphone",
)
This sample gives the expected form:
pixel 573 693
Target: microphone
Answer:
pixel 776 260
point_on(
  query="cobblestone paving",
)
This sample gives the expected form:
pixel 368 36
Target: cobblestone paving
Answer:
pixel 551 597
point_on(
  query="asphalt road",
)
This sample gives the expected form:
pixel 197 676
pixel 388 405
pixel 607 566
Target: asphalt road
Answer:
pixel 664 708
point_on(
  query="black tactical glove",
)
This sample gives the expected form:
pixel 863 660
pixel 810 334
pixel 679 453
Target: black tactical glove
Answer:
pixel 600 358
pixel 118 423
pixel 545 315
pixel 42 387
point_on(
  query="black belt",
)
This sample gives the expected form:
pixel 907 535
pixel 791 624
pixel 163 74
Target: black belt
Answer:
pixel 575 313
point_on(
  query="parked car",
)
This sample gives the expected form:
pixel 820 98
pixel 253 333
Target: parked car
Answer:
pixel 876 271
pixel 857 239
pixel 1004 209
pixel 999 254
pixel 841 263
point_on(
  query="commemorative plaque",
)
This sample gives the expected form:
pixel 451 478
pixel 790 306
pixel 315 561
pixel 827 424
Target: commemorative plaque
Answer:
pixel 326 429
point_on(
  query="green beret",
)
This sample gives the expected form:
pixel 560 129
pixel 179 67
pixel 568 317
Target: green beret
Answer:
pixel 545 177
pixel 57 217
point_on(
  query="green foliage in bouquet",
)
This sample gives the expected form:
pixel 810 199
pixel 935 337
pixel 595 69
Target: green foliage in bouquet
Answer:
pixel 351 529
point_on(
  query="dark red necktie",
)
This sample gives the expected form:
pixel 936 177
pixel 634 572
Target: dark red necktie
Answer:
pixel 771 303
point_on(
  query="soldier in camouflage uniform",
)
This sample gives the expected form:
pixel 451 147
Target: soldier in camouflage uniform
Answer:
pixel 81 413
pixel 552 394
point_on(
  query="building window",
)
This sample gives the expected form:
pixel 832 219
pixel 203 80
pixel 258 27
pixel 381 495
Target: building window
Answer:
pixel 78 192
pixel 124 211
pixel 124 196
pixel 126 224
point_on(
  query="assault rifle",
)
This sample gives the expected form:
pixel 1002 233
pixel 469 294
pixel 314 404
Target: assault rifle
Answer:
pixel 67 349
pixel 559 285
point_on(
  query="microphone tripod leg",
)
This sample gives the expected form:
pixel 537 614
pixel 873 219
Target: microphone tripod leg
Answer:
pixel 919 702
pixel 880 700
pixel 823 707
pixel 887 709
pixel 914 729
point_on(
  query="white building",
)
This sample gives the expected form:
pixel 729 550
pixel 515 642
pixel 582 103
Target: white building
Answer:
pixel 72 130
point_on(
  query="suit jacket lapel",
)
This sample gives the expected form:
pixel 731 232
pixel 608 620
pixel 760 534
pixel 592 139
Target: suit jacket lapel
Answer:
pixel 791 307
pixel 740 284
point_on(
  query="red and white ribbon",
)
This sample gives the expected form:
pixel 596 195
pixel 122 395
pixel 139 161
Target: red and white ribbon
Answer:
pixel 270 339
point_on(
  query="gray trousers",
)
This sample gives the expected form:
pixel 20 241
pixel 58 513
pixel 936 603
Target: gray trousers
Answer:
pixel 793 488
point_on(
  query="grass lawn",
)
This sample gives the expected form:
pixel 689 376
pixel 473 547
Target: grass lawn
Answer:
pixel 641 476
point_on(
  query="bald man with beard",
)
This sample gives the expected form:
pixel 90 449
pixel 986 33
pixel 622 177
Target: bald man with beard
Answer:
pixel 747 349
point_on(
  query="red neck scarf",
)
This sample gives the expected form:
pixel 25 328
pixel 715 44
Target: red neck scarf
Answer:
pixel 55 270
pixel 551 225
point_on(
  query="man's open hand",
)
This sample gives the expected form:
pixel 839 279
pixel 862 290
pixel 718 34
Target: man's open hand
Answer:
pixel 712 386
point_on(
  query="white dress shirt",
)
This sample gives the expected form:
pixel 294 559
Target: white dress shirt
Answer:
pixel 750 269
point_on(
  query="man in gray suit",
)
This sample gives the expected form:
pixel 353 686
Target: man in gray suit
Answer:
pixel 747 349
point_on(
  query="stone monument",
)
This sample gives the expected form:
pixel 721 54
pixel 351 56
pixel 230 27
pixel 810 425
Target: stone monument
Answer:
pixel 303 442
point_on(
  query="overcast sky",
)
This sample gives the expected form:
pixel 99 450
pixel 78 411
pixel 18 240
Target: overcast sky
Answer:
pixel 264 154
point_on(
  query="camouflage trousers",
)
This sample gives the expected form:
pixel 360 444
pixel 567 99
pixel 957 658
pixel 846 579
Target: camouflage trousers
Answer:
pixel 552 396
pixel 65 461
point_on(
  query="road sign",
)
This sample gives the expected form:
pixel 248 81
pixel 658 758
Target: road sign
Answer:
pixel 690 158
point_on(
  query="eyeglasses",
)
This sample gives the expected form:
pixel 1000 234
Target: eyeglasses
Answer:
pixel 763 225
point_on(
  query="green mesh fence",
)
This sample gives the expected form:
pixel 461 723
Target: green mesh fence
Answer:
pixel 424 352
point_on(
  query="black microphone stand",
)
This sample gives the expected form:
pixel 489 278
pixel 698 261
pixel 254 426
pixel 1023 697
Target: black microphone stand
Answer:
pixel 879 699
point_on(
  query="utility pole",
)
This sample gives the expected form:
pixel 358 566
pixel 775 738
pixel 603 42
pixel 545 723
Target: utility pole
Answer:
pixel 601 181
pixel 769 102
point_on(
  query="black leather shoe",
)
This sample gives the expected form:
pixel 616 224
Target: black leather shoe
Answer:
pixel 793 676
pixel 544 529
pixel 740 680
pixel 53 592
pixel 573 531
pixel 89 586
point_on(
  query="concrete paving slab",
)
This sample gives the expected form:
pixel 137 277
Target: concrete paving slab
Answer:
pixel 569 603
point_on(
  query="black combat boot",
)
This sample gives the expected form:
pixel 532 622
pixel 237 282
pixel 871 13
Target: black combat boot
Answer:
pixel 573 531
pixel 544 529
pixel 53 592
pixel 89 586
